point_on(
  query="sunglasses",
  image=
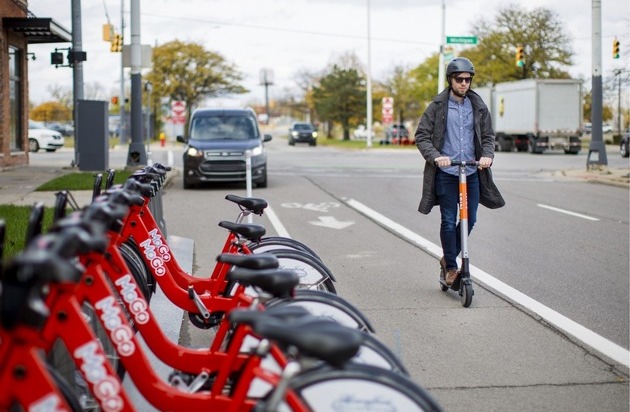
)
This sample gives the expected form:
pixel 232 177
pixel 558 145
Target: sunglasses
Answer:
pixel 459 80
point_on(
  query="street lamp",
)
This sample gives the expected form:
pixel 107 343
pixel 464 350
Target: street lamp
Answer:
pixel 148 88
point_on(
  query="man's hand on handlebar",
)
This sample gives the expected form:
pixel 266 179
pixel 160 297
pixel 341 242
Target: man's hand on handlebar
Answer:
pixel 443 161
pixel 485 162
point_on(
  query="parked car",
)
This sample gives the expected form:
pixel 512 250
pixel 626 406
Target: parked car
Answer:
pixel 302 133
pixel 361 132
pixel 606 128
pixel 40 137
pixel 65 129
pixel 624 146
pixel 396 134
pixel 217 144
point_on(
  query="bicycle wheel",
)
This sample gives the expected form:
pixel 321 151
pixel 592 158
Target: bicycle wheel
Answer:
pixel 359 388
pixel 328 306
pixel 137 268
pixel 60 359
pixel 376 353
pixel 274 242
pixel 372 352
pixel 65 389
pixel 312 272
pixel 134 250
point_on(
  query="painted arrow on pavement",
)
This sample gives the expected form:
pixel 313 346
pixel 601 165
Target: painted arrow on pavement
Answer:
pixel 331 222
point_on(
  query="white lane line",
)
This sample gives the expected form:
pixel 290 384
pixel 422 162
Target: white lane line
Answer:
pixel 567 212
pixel 276 223
pixel 579 332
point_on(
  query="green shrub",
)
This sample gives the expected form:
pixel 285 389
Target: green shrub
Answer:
pixel 16 222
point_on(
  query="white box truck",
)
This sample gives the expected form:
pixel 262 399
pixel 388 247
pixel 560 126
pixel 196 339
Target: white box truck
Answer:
pixel 536 114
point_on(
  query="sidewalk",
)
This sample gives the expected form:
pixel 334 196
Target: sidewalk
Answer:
pixel 18 184
pixel 611 176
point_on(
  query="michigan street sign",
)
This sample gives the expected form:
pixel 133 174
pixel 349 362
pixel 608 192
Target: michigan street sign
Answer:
pixel 461 39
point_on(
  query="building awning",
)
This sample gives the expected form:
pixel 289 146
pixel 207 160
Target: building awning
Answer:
pixel 38 30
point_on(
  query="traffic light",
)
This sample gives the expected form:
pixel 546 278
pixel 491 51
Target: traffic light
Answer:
pixel 615 49
pixel 520 56
pixel 114 100
pixel 117 43
pixel 108 31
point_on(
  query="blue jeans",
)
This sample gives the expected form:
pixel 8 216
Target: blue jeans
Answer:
pixel 447 192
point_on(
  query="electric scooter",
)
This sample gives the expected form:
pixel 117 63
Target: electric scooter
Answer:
pixel 463 283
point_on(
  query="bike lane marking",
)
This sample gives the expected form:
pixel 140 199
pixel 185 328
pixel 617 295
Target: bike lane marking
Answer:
pixel 567 212
pixel 586 336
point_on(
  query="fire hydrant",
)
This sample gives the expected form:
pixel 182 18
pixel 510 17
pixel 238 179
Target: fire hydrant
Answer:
pixel 162 139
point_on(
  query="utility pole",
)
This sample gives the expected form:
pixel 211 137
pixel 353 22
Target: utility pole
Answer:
pixel 618 74
pixel 121 100
pixel 441 68
pixel 597 148
pixel 368 119
pixel 137 155
pixel 77 73
pixel 266 79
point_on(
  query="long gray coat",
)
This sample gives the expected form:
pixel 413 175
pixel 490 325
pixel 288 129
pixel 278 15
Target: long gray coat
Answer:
pixel 430 138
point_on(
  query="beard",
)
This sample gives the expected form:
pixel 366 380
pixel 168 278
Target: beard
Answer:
pixel 457 92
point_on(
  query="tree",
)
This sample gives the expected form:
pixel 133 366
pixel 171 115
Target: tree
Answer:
pixel 51 112
pixel 607 112
pixel 424 86
pixel 340 97
pixel 188 72
pixel 401 86
pixel 546 46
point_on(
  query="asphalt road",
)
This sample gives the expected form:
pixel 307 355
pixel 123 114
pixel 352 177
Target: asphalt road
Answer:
pixel 492 355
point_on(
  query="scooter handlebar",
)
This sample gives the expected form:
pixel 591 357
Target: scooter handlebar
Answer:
pixel 464 163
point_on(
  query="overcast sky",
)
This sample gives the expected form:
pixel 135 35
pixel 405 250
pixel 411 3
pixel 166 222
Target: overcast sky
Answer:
pixel 287 36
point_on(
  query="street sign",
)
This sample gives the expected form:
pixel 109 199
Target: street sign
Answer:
pixel 461 39
pixel 178 112
pixel 388 109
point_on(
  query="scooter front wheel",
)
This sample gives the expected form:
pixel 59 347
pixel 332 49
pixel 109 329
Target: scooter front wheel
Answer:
pixel 466 293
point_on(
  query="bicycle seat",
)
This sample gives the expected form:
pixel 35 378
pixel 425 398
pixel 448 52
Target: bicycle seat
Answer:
pixel 257 261
pixel 252 204
pixel 277 282
pixel 319 338
pixel 248 231
pixel 281 313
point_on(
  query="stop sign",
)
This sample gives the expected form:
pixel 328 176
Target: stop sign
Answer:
pixel 388 109
pixel 178 112
pixel 178 107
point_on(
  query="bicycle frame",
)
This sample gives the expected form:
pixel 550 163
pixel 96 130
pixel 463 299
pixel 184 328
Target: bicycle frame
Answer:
pixel 68 324
pixel 140 227
pixel 22 362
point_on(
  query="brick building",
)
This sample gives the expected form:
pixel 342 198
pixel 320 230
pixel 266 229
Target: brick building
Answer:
pixel 18 29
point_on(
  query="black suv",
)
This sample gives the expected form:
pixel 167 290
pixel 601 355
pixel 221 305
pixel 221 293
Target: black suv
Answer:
pixel 217 144
pixel 302 132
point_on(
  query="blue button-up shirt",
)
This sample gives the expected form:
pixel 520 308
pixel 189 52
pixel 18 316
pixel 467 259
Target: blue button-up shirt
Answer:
pixel 459 138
